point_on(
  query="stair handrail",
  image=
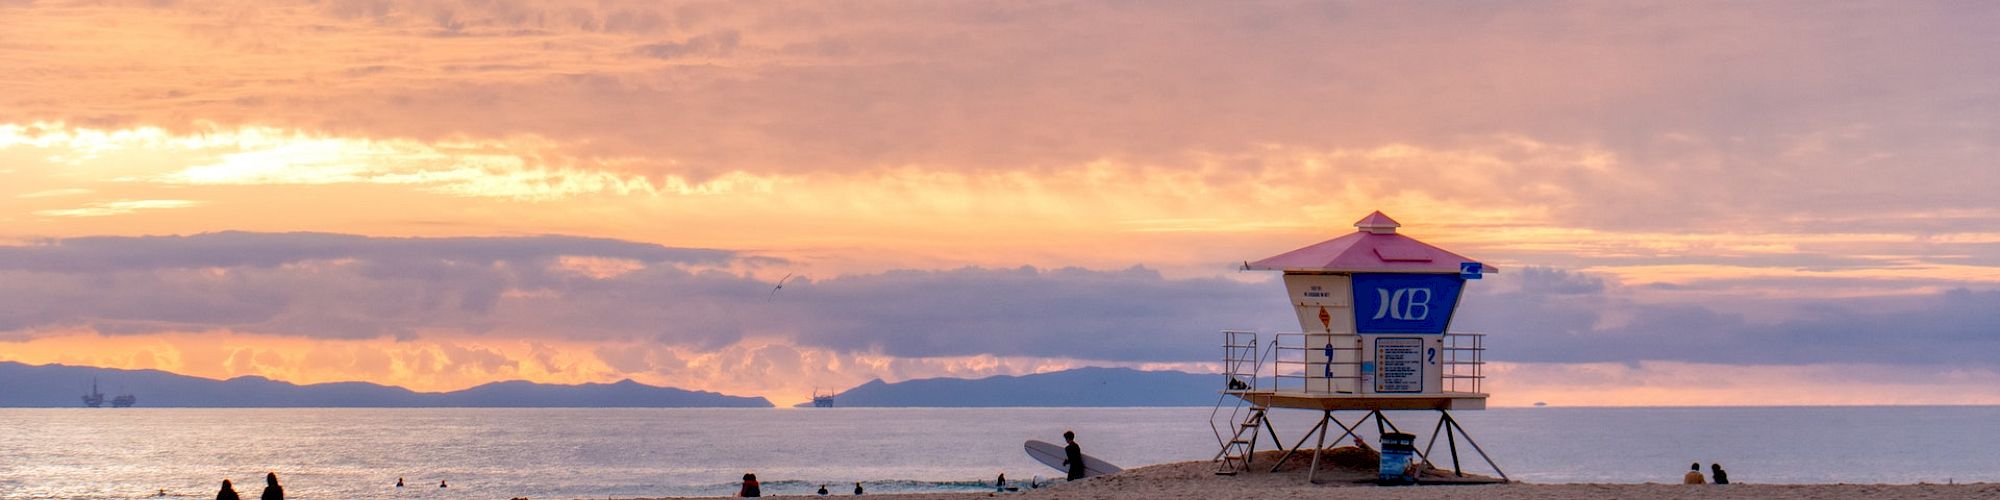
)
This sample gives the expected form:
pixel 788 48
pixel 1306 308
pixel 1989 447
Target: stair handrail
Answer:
pixel 1235 354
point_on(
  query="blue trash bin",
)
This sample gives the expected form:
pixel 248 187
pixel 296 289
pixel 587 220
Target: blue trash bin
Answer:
pixel 1399 450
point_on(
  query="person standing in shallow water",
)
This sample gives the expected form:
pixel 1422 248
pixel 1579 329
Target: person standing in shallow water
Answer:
pixel 1073 456
pixel 228 492
pixel 271 489
pixel 1719 476
pixel 1694 475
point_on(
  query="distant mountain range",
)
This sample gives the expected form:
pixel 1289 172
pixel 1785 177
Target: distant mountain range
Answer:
pixel 63 386
pixel 24 385
pixel 1070 388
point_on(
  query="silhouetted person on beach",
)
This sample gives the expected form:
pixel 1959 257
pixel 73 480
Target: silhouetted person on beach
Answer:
pixel 442 485
pixel 1720 476
pixel 1073 456
pixel 750 487
pixel 822 490
pixel 1694 475
pixel 271 489
pixel 857 489
pixel 399 482
pixel 1001 483
pixel 228 492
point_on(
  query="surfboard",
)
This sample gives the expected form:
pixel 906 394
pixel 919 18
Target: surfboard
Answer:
pixel 1051 454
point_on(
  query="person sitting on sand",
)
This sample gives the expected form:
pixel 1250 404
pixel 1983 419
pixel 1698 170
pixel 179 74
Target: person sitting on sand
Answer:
pixel 228 492
pixel 442 485
pixel 750 488
pixel 822 490
pixel 1720 476
pixel 1694 475
pixel 271 489
pixel 399 482
pixel 857 489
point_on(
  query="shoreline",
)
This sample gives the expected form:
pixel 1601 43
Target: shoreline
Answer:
pixel 1197 480
pixel 1512 491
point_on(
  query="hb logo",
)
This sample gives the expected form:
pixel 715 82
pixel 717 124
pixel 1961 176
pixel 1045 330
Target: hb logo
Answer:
pixel 1407 304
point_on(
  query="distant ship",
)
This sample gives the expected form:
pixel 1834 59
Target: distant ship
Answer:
pixel 95 399
pixel 822 400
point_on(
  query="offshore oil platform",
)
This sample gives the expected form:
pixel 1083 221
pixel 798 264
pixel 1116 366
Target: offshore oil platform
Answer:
pixel 95 399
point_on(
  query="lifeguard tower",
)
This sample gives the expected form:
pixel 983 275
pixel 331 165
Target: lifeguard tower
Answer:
pixel 1374 310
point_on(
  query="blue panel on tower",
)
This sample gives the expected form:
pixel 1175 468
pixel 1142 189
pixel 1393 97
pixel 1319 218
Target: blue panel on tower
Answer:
pixel 1470 270
pixel 1405 303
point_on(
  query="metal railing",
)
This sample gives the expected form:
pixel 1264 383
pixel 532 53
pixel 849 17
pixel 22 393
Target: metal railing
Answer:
pixel 1464 362
pixel 1336 371
pixel 1241 360
pixel 1315 363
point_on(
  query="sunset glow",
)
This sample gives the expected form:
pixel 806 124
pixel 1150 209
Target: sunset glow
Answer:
pixel 440 194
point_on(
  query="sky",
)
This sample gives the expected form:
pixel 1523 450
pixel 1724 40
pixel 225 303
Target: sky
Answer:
pixel 1693 203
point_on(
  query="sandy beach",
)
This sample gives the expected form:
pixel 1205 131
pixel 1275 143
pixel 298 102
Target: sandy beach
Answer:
pixel 1197 480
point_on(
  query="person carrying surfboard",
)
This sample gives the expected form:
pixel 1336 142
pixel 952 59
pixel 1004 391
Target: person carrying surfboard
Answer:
pixel 1073 456
pixel 1068 460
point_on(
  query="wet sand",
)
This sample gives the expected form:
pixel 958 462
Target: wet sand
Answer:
pixel 1197 480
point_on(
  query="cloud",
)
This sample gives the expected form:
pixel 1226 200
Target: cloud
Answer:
pixel 104 208
pixel 239 250
pixel 1770 136
pixel 1545 316
pixel 693 300
pixel 342 286
pixel 1688 383
pixel 1581 136
pixel 712 44
pixel 1126 315
pixel 516 168
pixel 309 284
pixel 54 193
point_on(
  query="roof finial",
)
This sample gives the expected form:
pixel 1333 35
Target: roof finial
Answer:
pixel 1376 223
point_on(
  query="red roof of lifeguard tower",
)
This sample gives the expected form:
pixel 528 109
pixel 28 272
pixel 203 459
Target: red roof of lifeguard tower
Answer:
pixel 1375 248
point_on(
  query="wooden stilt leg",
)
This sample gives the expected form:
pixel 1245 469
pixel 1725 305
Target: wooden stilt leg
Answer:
pixel 1317 449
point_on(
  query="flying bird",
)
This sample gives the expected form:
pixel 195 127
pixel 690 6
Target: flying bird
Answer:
pixel 781 285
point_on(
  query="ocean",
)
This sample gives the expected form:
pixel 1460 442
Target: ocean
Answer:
pixel 597 453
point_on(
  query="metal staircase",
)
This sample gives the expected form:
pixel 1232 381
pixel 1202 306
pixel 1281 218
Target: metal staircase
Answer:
pixel 1242 362
pixel 1236 454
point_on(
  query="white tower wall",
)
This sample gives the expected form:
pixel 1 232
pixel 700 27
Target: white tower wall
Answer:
pixel 1324 304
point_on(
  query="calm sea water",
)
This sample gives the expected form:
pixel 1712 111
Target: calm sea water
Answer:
pixel 595 453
